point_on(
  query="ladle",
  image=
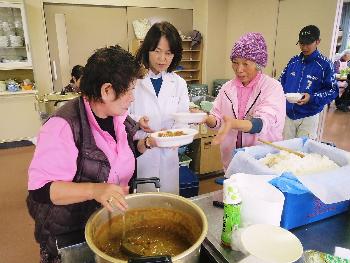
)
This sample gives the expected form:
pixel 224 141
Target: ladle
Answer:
pixel 282 148
pixel 129 249
pixel 125 246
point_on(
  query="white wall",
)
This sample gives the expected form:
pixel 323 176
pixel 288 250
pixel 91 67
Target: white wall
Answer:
pixel 321 13
pixel 200 23
pixel 216 34
pixel 251 16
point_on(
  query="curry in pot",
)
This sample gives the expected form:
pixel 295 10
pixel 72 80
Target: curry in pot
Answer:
pixel 148 232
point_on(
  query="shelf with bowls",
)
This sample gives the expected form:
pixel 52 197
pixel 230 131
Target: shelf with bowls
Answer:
pixel 14 41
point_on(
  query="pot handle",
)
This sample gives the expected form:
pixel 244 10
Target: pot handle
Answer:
pixel 149 180
pixel 157 259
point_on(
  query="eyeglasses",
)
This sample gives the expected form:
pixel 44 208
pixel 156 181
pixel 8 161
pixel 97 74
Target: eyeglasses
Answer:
pixel 166 54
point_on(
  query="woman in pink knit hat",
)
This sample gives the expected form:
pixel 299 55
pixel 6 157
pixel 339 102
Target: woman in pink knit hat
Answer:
pixel 251 105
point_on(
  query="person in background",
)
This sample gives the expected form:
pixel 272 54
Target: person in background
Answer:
pixel 343 61
pixel 311 74
pixel 85 154
pixel 74 84
pixel 158 95
pixel 343 101
pixel 251 105
pixel 341 65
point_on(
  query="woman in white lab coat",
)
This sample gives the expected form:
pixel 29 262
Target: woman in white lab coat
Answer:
pixel 161 93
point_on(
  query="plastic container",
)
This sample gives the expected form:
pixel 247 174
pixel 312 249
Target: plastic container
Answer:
pixel 217 84
pixel 189 183
pixel 2 85
pixel 197 89
pixel 184 160
pixel 310 209
pixel 311 256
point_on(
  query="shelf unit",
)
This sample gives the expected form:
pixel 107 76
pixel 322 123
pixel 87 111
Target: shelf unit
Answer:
pixel 190 67
pixel 14 54
pixel 18 110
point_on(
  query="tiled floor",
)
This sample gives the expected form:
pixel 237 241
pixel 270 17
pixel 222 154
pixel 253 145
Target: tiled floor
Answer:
pixel 17 243
pixel 337 129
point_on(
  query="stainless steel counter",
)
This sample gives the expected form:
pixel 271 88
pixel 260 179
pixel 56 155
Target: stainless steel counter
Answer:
pixel 323 236
pixel 213 240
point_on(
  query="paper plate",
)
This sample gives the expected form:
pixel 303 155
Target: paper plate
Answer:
pixel 271 243
pixel 175 141
pixel 188 117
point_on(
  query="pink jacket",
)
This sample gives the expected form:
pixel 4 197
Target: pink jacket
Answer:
pixel 55 157
pixel 266 102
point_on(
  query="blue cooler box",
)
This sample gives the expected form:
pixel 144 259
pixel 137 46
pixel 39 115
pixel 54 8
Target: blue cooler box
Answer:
pixel 189 183
pixel 301 207
pixel 306 208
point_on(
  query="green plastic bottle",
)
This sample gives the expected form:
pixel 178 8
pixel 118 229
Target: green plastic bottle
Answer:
pixel 232 212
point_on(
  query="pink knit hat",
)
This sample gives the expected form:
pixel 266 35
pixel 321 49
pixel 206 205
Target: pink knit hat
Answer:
pixel 251 46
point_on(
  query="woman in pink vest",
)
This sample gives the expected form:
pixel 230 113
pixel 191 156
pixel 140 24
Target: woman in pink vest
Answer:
pixel 85 156
pixel 251 105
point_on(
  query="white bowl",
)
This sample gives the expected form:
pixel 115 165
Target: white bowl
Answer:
pixel 271 243
pixel 293 97
pixel 189 117
pixel 175 141
pixel 16 41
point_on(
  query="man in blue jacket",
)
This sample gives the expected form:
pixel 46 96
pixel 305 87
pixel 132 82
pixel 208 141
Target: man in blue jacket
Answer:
pixel 311 74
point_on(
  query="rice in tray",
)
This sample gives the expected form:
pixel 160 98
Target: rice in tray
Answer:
pixel 288 162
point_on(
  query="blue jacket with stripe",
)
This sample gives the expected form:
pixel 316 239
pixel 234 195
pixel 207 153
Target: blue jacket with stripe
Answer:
pixel 313 75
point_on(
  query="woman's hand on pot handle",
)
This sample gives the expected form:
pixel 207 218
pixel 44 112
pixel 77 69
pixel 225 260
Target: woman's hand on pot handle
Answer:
pixel 110 196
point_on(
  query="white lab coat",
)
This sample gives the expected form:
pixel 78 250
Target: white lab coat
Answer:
pixel 173 97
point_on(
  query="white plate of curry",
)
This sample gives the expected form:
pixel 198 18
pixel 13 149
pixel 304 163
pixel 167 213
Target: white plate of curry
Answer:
pixel 174 137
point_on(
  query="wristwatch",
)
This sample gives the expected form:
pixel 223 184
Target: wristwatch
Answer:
pixel 147 144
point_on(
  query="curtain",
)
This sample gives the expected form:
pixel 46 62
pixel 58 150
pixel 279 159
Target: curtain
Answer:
pixel 345 26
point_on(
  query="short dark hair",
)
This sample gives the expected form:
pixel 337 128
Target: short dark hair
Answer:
pixel 109 65
pixel 77 72
pixel 151 41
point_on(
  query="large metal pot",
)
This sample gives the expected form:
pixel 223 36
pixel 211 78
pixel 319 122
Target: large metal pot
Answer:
pixel 144 200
